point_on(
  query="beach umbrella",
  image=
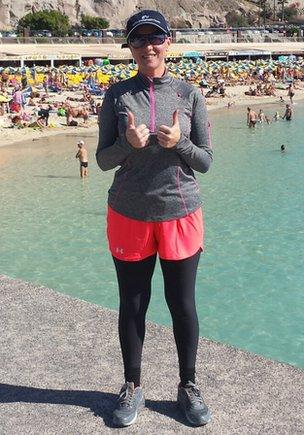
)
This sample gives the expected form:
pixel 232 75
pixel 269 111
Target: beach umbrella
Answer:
pixel 3 99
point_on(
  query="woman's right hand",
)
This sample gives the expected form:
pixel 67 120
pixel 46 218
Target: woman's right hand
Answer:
pixel 136 136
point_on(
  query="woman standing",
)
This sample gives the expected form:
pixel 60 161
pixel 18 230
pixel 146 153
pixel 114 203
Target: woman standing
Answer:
pixel 155 129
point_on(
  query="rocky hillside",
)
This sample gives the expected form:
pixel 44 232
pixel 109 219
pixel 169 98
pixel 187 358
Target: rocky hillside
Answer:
pixel 181 13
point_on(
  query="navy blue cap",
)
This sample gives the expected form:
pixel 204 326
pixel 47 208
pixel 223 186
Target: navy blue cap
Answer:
pixel 147 17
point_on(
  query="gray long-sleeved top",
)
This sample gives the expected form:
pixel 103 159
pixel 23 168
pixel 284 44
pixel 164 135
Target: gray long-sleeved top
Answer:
pixel 154 183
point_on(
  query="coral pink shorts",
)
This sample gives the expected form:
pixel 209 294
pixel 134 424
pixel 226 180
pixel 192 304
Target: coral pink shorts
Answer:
pixel 134 240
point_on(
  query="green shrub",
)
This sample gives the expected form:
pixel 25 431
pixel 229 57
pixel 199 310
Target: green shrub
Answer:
pixel 55 21
pixel 90 22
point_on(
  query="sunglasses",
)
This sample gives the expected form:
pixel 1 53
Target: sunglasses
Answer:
pixel 139 41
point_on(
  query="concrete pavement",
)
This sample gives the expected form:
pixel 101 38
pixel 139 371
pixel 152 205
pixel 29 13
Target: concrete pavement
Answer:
pixel 61 368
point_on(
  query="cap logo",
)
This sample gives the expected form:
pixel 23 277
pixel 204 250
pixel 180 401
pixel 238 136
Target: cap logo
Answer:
pixel 145 17
pixel 154 20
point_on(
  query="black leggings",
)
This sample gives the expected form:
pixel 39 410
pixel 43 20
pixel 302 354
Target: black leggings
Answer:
pixel 134 279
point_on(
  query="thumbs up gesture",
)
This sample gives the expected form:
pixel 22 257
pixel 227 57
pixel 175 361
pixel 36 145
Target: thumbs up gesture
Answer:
pixel 169 136
pixel 136 136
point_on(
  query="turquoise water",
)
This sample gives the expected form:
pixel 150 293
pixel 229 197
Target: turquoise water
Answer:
pixel 251 278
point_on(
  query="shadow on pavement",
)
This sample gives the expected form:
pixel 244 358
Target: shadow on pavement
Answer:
pixel 100 403
pixel 168 408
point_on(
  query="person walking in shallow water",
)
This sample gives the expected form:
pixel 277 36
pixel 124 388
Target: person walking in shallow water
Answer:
pixel 82 155
pixel 155 129
pixel 288 113
pixel 252 118
pixel 261 116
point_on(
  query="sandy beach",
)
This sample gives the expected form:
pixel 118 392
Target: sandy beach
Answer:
pixel 235 94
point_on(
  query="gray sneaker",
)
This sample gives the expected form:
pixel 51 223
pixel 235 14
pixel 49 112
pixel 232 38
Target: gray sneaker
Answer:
pixel 130 401
pixel 192 404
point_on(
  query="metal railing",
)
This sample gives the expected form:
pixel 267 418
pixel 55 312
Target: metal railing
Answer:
pixel 62 40
pixel 221 38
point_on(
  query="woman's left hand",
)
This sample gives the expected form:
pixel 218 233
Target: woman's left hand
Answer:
pixel 169 136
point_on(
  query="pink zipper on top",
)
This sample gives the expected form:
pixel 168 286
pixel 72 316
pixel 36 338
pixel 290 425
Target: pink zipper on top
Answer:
pixel 209 133
pixel 152 106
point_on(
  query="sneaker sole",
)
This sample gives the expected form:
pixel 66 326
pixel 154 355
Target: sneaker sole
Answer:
pixel 120 424
pixel 207 418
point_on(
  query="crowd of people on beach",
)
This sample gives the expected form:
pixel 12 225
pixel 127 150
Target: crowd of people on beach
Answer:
pixel 26 105
pixel 44 97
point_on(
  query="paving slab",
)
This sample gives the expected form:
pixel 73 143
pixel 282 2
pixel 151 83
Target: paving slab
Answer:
pixel 60 371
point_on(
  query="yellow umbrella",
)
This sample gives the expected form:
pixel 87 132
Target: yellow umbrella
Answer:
pixel 3 99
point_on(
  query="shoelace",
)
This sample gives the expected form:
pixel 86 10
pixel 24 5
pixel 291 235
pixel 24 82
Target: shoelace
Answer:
pixel 126 397
pixel 195 394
